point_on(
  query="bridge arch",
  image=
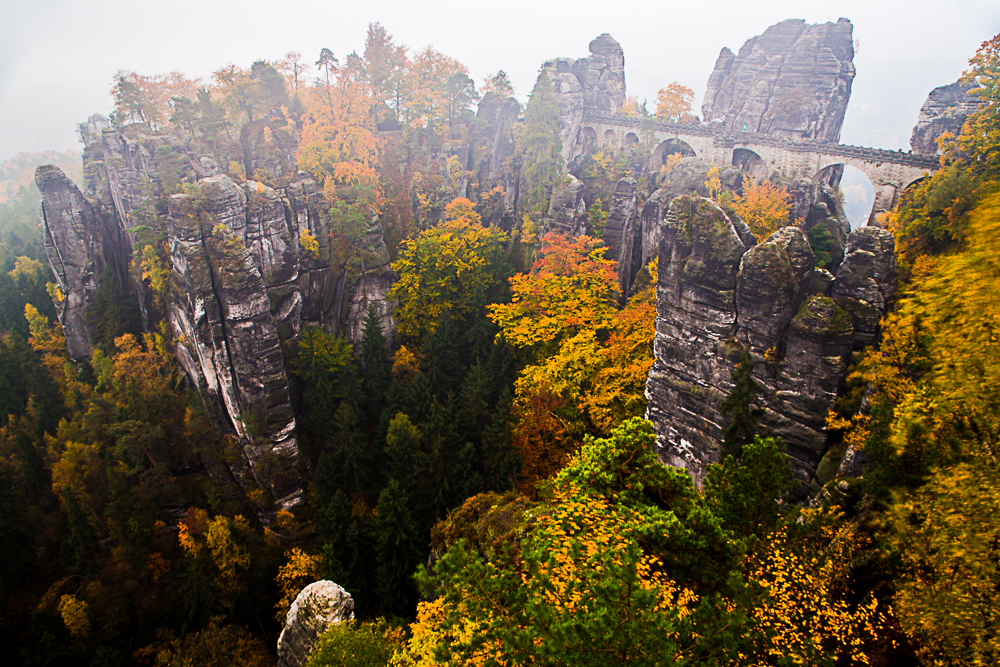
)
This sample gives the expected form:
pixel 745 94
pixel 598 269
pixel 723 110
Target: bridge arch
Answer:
pixel 610 138
pixel 858 192
pixel 631 139
pixel 749 161
pixel 667 148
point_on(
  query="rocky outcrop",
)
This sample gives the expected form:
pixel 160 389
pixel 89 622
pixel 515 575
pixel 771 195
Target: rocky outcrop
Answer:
pixel 718 295
pixel 793 81
pixel 496 142
pixel 567 209
pixel 73 239
pixel 694 348
pixel 685 178
pixel 228 342
pixel 945 110
pixel 317 607
pixel 866 280
pixel 620 231
pixel 242 280
pixel 596 83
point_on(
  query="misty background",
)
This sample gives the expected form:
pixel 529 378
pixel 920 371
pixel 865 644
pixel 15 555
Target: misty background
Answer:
pixel 58 57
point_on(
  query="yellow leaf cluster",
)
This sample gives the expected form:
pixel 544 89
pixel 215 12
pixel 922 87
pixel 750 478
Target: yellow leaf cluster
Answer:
pixel 300 571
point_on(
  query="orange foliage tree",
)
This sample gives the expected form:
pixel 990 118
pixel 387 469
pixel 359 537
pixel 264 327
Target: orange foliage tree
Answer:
pixel 337 143
pixel 673 103
pixel 589 360
pixel 763 206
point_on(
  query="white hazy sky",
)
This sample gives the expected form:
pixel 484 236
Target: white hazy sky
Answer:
pixel 57 57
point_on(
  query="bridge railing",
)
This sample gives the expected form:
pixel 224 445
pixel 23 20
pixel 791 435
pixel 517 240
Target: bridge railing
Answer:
pixel 737 139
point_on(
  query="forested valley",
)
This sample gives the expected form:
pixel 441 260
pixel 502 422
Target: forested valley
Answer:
pixel 466 379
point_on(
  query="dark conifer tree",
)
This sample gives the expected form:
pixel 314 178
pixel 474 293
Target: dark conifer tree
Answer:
pixel 398 551
pixel 498 456
pixel 403 451
pixel 81 543
pixel 444 358
pixel 376 363
pixel 739 408
pixel 349 452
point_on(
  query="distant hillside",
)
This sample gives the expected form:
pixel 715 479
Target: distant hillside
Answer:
pixel 20 170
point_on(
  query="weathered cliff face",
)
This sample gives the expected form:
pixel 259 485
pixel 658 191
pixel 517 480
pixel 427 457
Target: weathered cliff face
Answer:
pixel 620 232
pixel 496 144
pixel 595 83
pixel 794 81
pixel 567 209
pixel 718 294
pixel 73 240
pixel 227 340
pixel 241 279
pixel 945 110
pixel 686 178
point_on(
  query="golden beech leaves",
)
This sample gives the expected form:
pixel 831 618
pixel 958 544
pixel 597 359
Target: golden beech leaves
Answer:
pixel 74 616
pixel 673 103
pixel 338 142
pixel 590 359
pixel 801 613
pixel 443 270
pixel 763 206
pixel 300 571
pixel 570 286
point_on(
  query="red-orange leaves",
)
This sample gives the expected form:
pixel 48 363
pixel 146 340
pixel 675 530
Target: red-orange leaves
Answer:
pixel 571 287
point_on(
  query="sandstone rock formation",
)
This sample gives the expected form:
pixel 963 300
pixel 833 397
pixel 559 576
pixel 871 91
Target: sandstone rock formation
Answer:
pixel 241 279
pixel 317 607
pixel 74 244
pixel 718 294
pixel 595 83
pixel 793 81
pixel 499 115
pixel 945 110
pixel 228 342
pixel 620 231
pixel 567 209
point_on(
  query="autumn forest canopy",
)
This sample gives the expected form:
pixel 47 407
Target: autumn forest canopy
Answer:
pixel 360 318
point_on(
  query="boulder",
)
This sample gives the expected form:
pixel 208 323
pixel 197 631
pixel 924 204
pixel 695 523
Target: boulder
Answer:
pixel 319 606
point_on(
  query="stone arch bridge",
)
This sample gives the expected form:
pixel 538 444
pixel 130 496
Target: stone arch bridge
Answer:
pixel 890 172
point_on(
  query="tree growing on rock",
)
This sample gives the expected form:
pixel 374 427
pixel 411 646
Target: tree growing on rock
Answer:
pixel 764 206
pixel 739 407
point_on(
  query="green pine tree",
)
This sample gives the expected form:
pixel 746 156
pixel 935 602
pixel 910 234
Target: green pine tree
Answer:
pixel 745 496
pixel 398 551
pixel 739 408
pixel 376 363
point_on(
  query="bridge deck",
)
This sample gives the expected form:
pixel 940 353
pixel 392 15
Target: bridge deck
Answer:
pixel 737 139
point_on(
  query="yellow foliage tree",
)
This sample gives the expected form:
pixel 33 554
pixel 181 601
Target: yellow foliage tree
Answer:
pixel 763 206
pixel 445 270
pixel 337 143
pixel 300 571
pixel 673 103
